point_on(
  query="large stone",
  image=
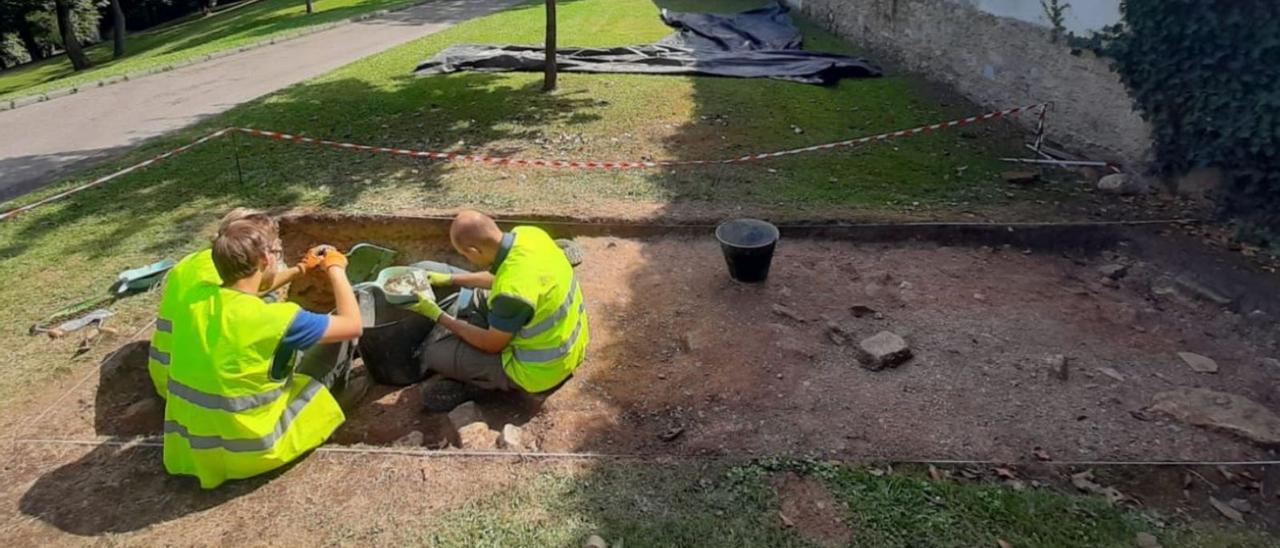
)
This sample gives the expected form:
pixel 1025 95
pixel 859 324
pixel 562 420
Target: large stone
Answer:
pixel 884 349
pixel 1221 411
pixel 1198 363
pixel 1120 183
pixel 464 415
pixel 513 438
pixel 477 436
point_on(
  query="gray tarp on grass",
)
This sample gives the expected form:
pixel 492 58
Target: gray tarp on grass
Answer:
pixel 760 43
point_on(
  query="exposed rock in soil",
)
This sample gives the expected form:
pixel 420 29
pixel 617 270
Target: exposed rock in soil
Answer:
pixel 464 415
pixel 1111 373
pixel 786 312
pixel 1201 291
pixel 1059 367
pixel 1271 364
pixel 1119 183
pixel 412 439
pixel 884 349
pixel 1084 481
pixel 1240 505
pixel 1227 511
pixel 1114 271
pixel 595 541
pixel 1198 363
pixel 513 438
pixel 1219 410
pixel 477 436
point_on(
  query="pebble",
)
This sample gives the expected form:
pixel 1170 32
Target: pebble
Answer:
pixel 1111 373
pixel 1059 367
pixel 477 436
pixel 594 541
pixel 1198 363
pixel 1114 271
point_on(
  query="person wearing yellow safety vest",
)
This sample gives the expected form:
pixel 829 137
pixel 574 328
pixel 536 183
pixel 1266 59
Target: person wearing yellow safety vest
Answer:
pixel 535 331
pixel 236 406
pixel 192 271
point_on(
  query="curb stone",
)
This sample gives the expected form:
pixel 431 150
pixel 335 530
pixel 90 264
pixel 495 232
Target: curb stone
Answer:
pixel 27 100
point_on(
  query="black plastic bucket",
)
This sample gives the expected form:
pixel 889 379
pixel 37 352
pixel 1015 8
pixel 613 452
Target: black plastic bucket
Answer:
pixel 391 339
pixel 747 245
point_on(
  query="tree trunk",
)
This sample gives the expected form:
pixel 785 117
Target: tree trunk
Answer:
pixel 68 31
pixel 29 42
pixel 117 27
pixel 309 8
pixel 549 72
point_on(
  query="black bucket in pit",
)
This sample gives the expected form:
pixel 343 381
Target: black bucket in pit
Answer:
pixel 747 245
pixel 391 338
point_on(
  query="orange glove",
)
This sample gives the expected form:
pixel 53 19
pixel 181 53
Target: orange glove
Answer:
pixel 332 257
pixel 313 258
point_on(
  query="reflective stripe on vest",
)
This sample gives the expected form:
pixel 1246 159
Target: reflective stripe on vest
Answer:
pixel 246 445
pixel 552 320
pixel 158 355
pixel 534 355
pixel 225 403
pixel 164 325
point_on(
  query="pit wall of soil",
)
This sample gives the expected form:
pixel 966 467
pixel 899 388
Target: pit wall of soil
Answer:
pixel 997 62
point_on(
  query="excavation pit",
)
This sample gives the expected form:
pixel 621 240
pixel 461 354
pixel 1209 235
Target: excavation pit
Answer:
pixel 683 360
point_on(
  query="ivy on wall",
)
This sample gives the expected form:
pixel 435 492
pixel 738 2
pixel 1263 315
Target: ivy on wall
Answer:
pixel 1206 75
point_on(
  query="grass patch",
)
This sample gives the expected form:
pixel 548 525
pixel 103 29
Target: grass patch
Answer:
pixel 674 504
pixel 189 38
pixel 70 249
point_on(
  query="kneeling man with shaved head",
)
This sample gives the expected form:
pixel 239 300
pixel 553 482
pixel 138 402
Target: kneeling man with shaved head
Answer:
pixel 530 332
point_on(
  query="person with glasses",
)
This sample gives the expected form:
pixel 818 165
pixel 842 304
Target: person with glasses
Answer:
pixel 239 401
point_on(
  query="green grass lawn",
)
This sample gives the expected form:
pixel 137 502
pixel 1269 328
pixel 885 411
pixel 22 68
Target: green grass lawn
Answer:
pixel 72 248
pixel 685 504
pixel 192 37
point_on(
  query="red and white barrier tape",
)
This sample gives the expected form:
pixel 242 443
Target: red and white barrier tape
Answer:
pixel 625 164
pixel 500 161
pixel 101 180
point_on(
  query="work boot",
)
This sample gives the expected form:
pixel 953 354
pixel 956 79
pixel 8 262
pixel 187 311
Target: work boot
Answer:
pixel 352 392
pixel 572 251
pixel 440 395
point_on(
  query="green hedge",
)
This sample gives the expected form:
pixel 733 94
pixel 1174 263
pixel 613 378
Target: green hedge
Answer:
pixel 1206 74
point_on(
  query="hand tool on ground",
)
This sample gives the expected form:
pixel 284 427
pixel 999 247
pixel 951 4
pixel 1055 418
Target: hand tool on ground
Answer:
pixel 129 282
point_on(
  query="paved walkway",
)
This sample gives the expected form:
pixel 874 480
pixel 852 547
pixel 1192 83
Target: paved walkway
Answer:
pixel 41 142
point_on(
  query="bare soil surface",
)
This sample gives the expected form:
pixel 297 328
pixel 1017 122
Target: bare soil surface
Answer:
pixel 684 361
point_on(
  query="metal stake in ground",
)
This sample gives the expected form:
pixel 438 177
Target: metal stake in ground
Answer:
pixel 235 151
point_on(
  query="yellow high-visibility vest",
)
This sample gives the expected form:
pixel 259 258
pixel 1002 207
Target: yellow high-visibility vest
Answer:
pixel 225 417
pixel 553 343
pixel 192 271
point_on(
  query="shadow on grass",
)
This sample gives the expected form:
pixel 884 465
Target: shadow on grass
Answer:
pixel 162 203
